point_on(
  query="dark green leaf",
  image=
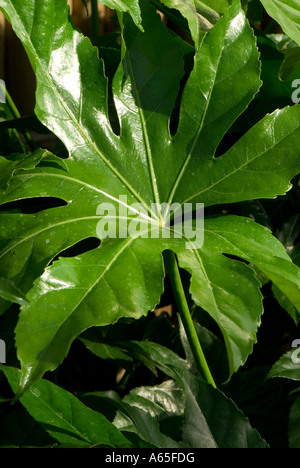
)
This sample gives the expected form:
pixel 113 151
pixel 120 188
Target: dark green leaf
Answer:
pixel 213 421
pixel 138 418
pixel 10 141
pixel 25 123
pixel 64 417
pixel 214 351
pixel 164 402
pixel 294 425
pixel 22 431
pixel 288 366
pixel 208 413
pixel 104 350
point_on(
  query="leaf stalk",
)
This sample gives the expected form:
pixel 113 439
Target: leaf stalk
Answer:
pixel 95 19
pixel 187 321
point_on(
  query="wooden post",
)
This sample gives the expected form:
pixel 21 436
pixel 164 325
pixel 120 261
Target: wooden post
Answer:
pixel 2 46
pixel 70 3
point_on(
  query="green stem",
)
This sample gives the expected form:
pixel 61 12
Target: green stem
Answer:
pixel 95 19
pixel 16 115
pixel 176 283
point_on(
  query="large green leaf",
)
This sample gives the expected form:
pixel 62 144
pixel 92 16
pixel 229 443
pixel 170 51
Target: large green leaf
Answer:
pixel 287 14
pixel 65 417
pixel 143 164
pixel 142 410
pixel 209 418
pixel 213 421
pixel 234 299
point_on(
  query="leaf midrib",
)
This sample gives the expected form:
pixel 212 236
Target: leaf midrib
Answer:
pixel 75 122
pixel 187 160
pixel 81 182
pixel 82 436
pixel 145 133
pixel 54 225
pixel 249 161
pixel 81 300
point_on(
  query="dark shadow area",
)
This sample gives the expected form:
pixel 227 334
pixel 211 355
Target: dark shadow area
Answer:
pixel 32 205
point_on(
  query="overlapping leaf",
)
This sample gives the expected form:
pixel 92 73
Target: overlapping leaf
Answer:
pixel 149 412
pixel 200 15
pixel 210 419
pixel 10 293
pixel 287 14
pixel 144 164
pixel 64 417
pixel 288 366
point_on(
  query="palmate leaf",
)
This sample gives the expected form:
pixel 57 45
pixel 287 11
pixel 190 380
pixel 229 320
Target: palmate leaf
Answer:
pixel 144 164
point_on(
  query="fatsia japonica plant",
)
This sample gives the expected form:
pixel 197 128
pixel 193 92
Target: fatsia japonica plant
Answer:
pixel 151 140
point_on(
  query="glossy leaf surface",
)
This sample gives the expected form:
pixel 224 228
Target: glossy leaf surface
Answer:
pixel 219 423
pixel 143 164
